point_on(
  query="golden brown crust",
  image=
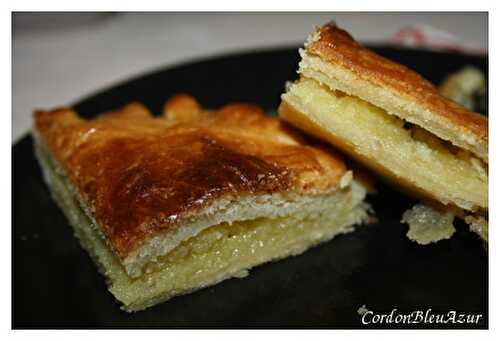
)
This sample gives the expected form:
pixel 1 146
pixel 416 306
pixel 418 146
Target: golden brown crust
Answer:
pixel 336 46
pixel 142 175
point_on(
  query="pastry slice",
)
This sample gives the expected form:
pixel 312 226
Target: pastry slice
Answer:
pixel 394 121
pixel 172 204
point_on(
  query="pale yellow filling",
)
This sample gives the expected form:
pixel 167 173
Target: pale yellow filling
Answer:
pixel 409 154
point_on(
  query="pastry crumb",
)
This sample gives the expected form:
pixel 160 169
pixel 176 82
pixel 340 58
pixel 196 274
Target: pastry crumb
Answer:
pixel 428 225
pixel 478 225
pixel 241 274
pixel 362 310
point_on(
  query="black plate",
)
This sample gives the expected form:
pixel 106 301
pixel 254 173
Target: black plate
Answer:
pixel 55 284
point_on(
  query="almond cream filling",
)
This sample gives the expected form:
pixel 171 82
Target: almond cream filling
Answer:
pixel 407 153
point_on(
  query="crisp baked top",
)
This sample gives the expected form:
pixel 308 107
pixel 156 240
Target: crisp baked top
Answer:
pixel 140 175
pixel 336 46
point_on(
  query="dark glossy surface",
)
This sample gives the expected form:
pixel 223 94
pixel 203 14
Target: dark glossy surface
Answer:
pixel 56 285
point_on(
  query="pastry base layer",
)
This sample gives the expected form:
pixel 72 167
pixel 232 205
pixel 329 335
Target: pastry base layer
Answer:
pixel 217 253
pixel 407 155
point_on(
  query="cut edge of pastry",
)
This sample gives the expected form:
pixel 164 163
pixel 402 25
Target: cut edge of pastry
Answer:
pixel 303 106
pixel 334 214
pixel 229 209
pixel 434 210
pixel 462 130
